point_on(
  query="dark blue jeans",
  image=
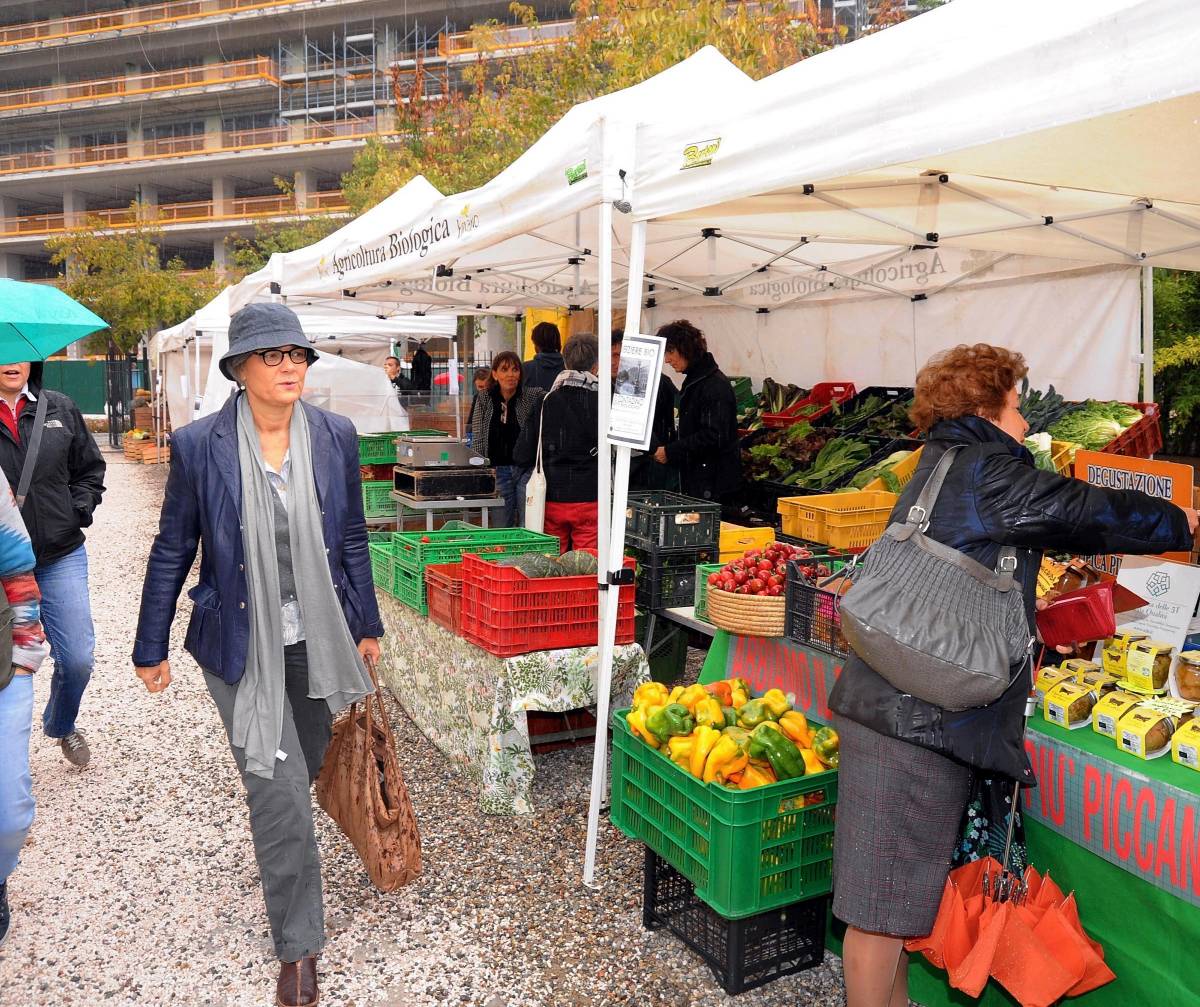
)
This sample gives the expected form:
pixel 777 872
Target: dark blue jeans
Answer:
pixel 67 619
pixel 511 483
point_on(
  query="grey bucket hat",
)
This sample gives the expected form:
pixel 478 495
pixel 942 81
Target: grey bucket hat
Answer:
pixel 263 327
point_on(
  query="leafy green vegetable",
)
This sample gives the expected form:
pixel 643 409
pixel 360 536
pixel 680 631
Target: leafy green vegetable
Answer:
pixel 882 471
pixel 1095 425
pixel 838 457
pixel 1039 446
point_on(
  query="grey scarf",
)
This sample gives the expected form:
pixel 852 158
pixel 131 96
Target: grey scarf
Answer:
pixel 576 379
pixel 335 670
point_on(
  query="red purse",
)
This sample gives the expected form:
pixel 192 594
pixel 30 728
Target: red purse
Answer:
pixel 1079 616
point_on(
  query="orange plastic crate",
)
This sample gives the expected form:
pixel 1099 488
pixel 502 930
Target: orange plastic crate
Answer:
pixel 845 520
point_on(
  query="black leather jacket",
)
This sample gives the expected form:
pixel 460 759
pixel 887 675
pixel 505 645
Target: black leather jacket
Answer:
pixel 705 453
pixel 993 499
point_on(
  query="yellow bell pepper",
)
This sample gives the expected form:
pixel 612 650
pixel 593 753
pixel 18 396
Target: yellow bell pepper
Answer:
pixel 675 694
pixel 692 695
pixel 795 725
pixel 755 776
pixel 681 751
pixel 705 739
pixel 726 757
pixel 650 694
pixel 739 692
pixel 775 701
pixel 636 718
pixel 811 763
pixel 708 711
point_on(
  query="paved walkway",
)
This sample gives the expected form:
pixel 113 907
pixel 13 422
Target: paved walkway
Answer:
pixel 139 886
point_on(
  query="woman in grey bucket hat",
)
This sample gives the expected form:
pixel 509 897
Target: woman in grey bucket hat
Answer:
pixel 284 613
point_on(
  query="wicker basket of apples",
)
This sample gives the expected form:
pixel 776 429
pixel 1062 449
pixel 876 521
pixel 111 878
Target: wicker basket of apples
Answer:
pixel 748 595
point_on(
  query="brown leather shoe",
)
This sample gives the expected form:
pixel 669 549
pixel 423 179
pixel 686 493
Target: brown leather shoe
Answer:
pixel 297 986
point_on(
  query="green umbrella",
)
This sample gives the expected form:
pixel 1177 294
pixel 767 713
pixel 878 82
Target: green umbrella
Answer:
pixel 37 320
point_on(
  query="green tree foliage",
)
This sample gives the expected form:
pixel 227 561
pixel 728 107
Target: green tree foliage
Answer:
pixel 120 276
pixel 1176 356
pixel 463 142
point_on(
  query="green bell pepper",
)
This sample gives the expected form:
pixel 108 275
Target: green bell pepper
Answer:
pixel 669 721
pixel 753 713
pixel 731 716
pixel 772 744
pixel 826 744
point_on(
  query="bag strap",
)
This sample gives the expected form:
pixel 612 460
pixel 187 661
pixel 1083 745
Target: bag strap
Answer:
pixel 921 511
pixel 919 515
pixel 35 443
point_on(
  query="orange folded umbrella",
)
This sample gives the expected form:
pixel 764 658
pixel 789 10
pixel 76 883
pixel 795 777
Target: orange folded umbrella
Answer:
pixel 1028 938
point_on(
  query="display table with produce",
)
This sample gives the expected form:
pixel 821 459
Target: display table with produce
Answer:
pixel 1122 832
pixel 472 704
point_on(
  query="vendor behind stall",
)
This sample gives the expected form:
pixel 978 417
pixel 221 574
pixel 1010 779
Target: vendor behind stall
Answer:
pixel 705 454
pixel 503 411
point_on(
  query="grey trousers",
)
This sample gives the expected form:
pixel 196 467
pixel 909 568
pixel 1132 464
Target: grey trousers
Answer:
pixel 281 821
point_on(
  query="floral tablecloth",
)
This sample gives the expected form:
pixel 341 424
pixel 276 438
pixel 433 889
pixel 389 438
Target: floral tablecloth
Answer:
pixel 472 705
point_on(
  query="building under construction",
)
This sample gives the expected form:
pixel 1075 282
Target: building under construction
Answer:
pixel 194 110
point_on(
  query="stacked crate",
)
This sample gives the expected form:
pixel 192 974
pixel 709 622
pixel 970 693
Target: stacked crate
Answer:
pixel 669 535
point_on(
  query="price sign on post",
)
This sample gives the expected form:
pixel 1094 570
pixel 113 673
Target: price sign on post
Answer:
pixel 1165 480
pixel 635 391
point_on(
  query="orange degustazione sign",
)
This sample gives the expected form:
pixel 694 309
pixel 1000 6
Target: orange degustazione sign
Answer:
pixel 1165 480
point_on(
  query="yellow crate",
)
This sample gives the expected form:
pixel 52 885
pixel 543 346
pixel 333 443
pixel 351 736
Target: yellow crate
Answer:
pixel 903 472
pixel 1062 453
pixel 735 540
pixel 845 520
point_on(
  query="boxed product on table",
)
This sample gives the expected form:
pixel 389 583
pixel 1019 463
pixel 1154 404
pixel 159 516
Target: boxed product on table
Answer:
pixel 1148 667
pixel 1185 745
pixel 1107 713
pixel 1047 679
pixel 1187 676
pixel 1100 681
pixel 1116 649
pixel 1069 705
pixel 1146 730
pixel 1078 666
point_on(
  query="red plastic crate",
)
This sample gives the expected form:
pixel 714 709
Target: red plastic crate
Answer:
pixel 826 395
pixel 506 613
pixel 1144 439
pixel 443 582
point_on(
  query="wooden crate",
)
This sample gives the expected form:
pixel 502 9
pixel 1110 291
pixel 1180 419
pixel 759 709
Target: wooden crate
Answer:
pixel 445 484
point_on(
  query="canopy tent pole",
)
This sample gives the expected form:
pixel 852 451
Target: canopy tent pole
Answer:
pixel 1148 333
pixel 615 562
pixel 604 346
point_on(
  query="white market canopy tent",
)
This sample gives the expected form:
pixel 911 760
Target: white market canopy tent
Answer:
pixel 348 377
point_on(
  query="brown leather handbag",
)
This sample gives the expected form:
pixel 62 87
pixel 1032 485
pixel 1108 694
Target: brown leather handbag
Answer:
pixel 362 789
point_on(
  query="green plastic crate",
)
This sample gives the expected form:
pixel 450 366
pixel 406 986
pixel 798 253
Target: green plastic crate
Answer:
pixel 414 550
pixel 377 499
pixel 408 586
pixel 743 390
pixel 377 449
pixel 702 574
pixel 381 564
pixel 745 851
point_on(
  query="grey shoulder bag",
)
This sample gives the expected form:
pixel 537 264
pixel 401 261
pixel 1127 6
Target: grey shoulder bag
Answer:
pixel 933 622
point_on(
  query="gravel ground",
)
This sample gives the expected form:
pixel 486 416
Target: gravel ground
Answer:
pixel 139 884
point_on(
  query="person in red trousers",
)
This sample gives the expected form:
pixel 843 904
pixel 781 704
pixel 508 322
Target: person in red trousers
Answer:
pixel 566 424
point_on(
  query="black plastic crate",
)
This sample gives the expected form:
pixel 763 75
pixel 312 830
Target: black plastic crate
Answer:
pixel 667 578
pixel 662 520
pixel 813 614
pixel 890 396
pixel 742 954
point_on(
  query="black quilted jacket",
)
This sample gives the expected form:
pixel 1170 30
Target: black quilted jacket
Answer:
pixel 993 499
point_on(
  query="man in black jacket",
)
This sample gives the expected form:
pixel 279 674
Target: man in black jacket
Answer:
pixel 422 369
pixel 67 484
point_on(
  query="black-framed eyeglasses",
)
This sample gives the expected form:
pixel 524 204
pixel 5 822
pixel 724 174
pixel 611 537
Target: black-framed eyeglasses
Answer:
pixel 273 358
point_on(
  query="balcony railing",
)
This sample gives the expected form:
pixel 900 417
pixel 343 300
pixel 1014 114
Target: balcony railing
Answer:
pixel 199 211
pixel 133 17
pixel 229 141
pixel 257 68
pixel 506 39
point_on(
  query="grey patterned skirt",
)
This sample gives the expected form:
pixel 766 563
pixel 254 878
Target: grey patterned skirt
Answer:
pixel 899 814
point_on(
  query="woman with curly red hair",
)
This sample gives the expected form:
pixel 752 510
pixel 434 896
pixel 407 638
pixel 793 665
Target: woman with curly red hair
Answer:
pixel 907 766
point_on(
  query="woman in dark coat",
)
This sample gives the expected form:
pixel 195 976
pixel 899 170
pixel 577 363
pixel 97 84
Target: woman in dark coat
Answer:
pixel 568 419
pixel 906 766
pixel 284 613
pixel 503 412
pixel 705 453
